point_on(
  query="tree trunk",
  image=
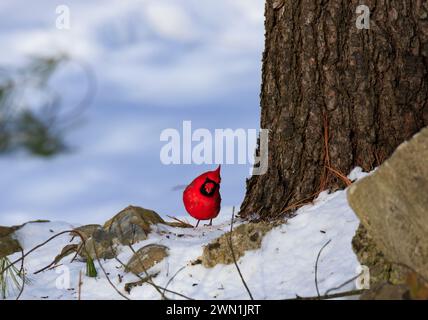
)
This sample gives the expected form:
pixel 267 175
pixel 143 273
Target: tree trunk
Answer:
pixel 335 96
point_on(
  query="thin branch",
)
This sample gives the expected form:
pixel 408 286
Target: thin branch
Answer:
pixel 23 256
pixel 22 274
pixel 343 284
pixel 145 280
pixel 234 258
pixel 37 247
pixel 316 266
pixel 130 285
pixel 79 292
pixel 106 275
pixel 183 223
pixel 172 278
pixel 331 296
pixel 54 262
pixel 45 268
pixel 148 278
pixel 83 243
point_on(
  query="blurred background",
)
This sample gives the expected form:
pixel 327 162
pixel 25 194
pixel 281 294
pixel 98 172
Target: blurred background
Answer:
pixel 82 109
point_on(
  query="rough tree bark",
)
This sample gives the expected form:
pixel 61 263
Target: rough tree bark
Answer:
pixel 368 89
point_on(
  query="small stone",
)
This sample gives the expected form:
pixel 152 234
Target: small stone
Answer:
pixel 146 257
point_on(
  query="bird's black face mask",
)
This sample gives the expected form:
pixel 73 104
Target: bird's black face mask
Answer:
pixel 209 187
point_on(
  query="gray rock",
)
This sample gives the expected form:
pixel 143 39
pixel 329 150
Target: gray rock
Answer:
pixel 392 204
pixel 102 244
pixel 146 257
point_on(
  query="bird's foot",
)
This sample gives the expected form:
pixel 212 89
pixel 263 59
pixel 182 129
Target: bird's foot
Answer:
pixel 209 224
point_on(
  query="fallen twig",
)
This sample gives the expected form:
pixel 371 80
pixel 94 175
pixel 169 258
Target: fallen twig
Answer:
pixel 106 275
pixel 316 266
pixel 331 296
pixel 55 261
pixel 234 258
pixel 343 284
pixel 184 223
pixel 149 282
pixel 130 285
pixel 148 277
pixel 79 292
pixel 37 247
pixel 22 275
pixel 172 278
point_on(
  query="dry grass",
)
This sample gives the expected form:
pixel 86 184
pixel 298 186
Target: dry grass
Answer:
pixel 184 224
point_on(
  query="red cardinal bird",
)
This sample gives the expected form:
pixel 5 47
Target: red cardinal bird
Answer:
pixel 202 197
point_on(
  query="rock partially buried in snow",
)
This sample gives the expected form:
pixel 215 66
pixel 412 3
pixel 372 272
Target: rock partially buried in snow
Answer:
pixel 146 257
pixel 245 237
pixel 6 231
pixel 381 270
pixel 132 224
pixel 8 245
pixel 392 204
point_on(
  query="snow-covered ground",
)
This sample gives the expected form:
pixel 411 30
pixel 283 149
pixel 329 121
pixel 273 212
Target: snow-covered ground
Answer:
pixel 282 268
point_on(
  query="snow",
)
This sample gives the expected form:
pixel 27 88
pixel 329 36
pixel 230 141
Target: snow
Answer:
pixel 282 268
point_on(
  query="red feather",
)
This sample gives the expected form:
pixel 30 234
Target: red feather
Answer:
pixel 202 198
